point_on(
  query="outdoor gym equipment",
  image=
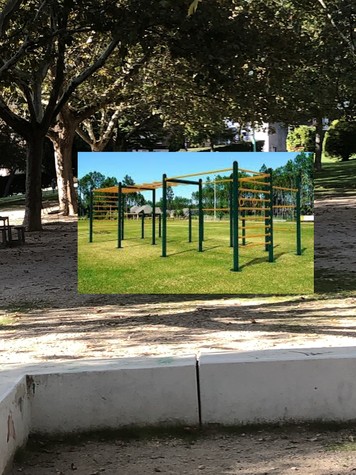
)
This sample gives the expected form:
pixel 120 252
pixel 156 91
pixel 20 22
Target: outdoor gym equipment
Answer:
pixel 242 201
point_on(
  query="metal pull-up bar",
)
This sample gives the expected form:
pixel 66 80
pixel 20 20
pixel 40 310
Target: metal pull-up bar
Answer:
pixel 199 174
pixel 181 181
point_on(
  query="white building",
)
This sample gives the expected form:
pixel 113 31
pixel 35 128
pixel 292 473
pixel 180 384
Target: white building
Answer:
pixel 274 136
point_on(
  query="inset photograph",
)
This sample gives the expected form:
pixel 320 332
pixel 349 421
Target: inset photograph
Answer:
pixel 196 223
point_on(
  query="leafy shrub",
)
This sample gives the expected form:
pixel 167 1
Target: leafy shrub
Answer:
pixel 340 139
pixel 301 139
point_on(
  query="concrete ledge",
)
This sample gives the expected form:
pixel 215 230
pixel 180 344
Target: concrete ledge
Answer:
pixel 297 385
pixel 148 391
pixel 15 414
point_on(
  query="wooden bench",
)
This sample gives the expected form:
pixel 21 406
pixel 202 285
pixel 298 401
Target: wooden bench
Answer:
pixel 3 236
pixel 5 231
pixel 20 235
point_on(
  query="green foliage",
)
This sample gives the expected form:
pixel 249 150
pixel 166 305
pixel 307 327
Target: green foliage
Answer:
pixel 286 176
pixel 13 149
pixel 301 138
pixel 88 182
pixel 340 139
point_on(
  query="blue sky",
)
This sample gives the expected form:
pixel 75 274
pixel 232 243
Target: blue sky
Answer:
pixel 145 167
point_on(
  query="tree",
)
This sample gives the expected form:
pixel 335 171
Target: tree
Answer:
pixel 34 42
pixel 170 197
pixel 92 181
pixel 340 139
pixel 301 138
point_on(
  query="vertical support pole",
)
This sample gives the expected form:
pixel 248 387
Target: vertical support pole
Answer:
pixel 231 227
pixel 119 215
pixel 164 216
pixel 235 217
pixel 91 215
pixel 153 217
pixel 271 199
pixel 189 225
pixel 201 216
pixel 143 225
pixel 159 225
pixel 267 210
pixel 298 224
pixel 123 218
pixel 243 220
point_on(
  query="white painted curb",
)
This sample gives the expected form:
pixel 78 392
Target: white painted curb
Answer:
pixel 148 391
pixel 296 385
pixel 94 395
pixel 15 414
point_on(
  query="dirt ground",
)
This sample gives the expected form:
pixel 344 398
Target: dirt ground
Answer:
pixel 281 451
pixel 335 244
pixel 44 319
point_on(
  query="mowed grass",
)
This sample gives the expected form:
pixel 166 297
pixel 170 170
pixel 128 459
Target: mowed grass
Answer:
pixel 138 267
pixel 337 178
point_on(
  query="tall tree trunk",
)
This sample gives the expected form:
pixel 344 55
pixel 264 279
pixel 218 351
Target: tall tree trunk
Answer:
pixel 33 199
pixel 319 137
pixel 62 136
pixel 63 144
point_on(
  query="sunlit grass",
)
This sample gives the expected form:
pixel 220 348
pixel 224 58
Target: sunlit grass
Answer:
pixel 337 178
pixel 139 268
pixel 14 201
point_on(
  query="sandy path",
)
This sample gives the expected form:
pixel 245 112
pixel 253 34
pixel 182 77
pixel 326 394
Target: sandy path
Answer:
pixel 44 320
pixel 48 320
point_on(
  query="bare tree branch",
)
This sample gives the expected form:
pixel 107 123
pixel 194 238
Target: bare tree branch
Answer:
pixel 348 41
pixel 85 74
pixel 21 126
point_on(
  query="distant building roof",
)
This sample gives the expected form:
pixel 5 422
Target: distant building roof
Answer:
pixel 147 209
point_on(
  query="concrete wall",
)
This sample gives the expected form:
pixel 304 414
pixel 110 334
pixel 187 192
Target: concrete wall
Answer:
pixel 235 388
pixel 150 391
pixel 14 418
pixel 279 386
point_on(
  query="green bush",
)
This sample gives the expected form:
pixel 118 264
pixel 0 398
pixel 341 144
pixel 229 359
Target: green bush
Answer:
pixel 340 139
pixel 301 139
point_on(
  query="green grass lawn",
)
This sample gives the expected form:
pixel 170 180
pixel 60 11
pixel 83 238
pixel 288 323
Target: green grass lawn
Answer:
pixel 336 178
pixel 137 268
pixel 15 201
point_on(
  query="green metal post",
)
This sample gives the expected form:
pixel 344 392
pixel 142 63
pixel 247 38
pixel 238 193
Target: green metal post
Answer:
pixel 235 216
pixel 123 218
pixel 91 215
pixel 159 225
pixel 270 242
pixel 201 216
pixel 243 220
pixel 143 225
pixel 189 225
pixel 230 198
pixel 164 216
pixel 119 216
pixel 299 230
pixel 265 203
pixel 153 217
